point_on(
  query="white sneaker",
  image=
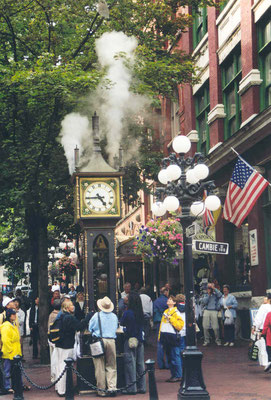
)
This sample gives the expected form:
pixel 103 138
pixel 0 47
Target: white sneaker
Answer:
pixel 231 344
pixel 267 368
pixel 226 344
pixel 205 344
pixel 218 343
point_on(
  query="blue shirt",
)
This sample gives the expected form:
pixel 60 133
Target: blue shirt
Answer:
pixel 109 324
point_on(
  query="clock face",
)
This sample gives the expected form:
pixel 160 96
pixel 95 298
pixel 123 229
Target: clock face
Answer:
pixel 99 197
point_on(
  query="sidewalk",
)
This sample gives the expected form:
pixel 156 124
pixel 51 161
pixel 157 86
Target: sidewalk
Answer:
pixel 228 375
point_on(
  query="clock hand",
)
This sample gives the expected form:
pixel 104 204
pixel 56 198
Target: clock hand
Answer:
pixel 101 198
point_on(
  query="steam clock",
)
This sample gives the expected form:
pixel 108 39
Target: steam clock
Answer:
pixel 98 189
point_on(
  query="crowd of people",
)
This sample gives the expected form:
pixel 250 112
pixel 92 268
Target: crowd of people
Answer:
pixel 136 317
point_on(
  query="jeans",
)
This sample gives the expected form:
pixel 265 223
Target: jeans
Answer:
pixel 7 373
pixel 134 365
pixel 162 360
pixel 229 333
pixel 174 354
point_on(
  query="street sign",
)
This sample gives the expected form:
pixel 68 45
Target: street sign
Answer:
pixel 192 230
pixel 211 247
pixel 27 267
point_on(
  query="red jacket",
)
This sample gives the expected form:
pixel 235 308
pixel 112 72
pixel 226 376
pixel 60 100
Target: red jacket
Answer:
pixel 267 329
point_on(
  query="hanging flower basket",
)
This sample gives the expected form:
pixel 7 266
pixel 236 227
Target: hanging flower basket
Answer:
pixel 54 270
pixel 160 239
pixel 66 266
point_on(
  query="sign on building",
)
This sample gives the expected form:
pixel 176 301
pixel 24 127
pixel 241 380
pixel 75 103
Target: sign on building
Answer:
pixel 253 247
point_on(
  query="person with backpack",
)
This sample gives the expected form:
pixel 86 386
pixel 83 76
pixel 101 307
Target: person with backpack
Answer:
pixel 67 325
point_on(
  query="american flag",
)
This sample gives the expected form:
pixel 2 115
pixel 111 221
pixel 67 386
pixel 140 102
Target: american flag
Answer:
pixel 208 216
pixel 245 186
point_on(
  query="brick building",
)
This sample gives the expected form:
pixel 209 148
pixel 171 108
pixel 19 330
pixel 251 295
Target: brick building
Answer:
pixel 230 108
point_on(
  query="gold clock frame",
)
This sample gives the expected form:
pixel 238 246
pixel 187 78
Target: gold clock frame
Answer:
pixel 84 212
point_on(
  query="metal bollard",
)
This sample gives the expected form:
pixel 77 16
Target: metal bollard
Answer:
pixel 69 395
pixel 17 379
pixel 152 382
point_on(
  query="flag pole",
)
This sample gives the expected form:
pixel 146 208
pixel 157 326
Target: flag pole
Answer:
pixel 247 163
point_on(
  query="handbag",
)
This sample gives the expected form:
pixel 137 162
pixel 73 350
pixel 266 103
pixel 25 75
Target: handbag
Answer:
pixel 132 342
pixel 253 351
pixel 229 320
pixel 262 354
pixel 97 345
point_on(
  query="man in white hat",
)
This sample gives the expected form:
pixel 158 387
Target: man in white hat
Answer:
pixel 106 365
pixel 8 303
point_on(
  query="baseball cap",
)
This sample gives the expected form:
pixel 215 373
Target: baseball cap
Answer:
pixel 6 301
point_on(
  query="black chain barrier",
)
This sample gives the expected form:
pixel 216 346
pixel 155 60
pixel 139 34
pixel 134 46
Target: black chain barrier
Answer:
pixel 38 386
pixel 86 382
pixel 19 371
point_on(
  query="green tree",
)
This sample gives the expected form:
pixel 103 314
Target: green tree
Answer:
pixel 47 63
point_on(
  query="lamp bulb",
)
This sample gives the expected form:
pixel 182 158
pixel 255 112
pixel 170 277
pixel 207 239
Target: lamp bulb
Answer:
pixel 191 177
pixel 201 171
pixel 212 202
pixel 197 208
pixel 171 203
pixel 163 177
pixel 181 144
pixel 173 172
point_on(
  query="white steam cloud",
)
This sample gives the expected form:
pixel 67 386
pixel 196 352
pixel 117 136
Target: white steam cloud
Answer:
pixel 75 130
pixel 114 103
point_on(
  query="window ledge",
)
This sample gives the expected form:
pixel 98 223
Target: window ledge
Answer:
pixel 215 113
pixel 253 78
pixel 214 148
pixel 193 136
pixel 199 46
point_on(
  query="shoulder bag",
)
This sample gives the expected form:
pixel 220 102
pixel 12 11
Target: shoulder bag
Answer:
pixel 97 345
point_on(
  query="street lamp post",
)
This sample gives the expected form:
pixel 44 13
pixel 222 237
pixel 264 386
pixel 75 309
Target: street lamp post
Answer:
pixel 184 187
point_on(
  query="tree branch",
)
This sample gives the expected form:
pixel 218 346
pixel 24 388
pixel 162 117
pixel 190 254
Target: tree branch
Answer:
pixel 49 24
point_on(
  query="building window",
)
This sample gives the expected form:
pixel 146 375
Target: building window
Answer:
pixel 174 115
pixel 202 104
pixel 231 76
pixel 264 36
pixel 200 26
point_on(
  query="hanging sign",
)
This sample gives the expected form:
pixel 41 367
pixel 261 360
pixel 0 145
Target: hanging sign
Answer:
pixel 211 247
pixel 253 247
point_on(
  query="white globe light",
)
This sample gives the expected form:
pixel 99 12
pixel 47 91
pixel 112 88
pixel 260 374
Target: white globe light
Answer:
pixel 163 177
pixel 201 171
pixel 212 202
pixel 53 248
pixel 62 245
pixel 197 208
pixel 181 144
pixel 171 203
pixel 173 172
pixel 70 245
pixel 191 177
pixel 158 209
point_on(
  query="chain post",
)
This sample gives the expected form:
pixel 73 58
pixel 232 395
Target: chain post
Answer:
pixel 150 365
pixel 17 377
pixel 69 395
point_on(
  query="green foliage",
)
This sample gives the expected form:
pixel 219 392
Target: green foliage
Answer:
pixel 160 239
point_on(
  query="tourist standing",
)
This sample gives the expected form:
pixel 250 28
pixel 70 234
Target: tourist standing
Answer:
pixel 211 304
pixel 34 326
pixel 65 348
pixel 171 324
pixel 159 306
pixel 229 305
pixel 106 365
pixel 133 323
pixel 11 346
